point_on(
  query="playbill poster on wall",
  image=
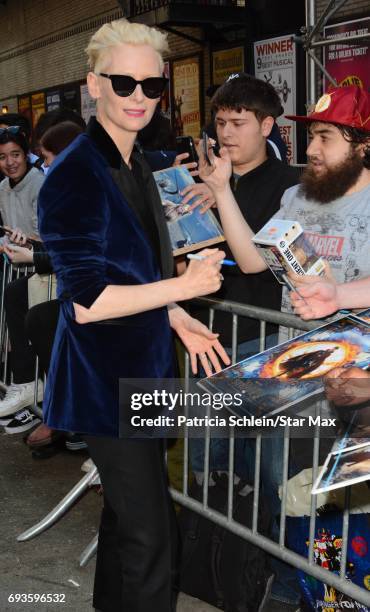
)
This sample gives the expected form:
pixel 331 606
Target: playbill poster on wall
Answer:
pixel 189 229
pixel 349 64
pixel 275 63
pixel 290 373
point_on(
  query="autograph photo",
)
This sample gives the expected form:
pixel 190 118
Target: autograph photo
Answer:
pixel 188 229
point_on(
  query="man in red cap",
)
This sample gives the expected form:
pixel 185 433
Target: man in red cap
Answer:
pixel 332 204
pixel 332 201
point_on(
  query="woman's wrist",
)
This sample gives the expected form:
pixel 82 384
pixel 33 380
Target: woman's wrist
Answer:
pixel 182 290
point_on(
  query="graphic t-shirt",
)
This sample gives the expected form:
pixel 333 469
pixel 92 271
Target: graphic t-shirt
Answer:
pixel 339 231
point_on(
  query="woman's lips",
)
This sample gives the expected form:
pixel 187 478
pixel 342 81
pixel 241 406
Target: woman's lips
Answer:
pixel 137 112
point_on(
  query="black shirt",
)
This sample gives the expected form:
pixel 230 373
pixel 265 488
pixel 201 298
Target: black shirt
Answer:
pixel 139 189
pixel 258 194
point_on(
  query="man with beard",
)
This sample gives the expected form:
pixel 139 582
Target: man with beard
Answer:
pixel 335 185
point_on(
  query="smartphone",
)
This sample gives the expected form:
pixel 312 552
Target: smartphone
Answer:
pixel 185 144
pixel 6 232
pixel 205 147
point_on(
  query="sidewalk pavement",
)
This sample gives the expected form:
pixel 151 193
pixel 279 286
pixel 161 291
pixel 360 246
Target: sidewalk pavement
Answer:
pixel 29 489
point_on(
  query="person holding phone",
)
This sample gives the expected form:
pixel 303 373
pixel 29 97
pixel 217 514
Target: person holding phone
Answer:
pixel 102 223
pixel 18 208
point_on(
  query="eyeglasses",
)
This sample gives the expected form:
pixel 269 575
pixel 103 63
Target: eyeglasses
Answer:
pixel 124 85
pixel 12 129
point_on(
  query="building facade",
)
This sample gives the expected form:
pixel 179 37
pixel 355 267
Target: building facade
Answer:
pixel 43 65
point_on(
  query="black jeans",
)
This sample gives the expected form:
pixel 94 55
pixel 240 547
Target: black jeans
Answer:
pixel 37 324
pixel 22 357
pixel 41 323
pixel 137 551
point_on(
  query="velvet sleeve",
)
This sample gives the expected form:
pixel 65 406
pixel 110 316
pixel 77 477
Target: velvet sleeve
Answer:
pixel 73 220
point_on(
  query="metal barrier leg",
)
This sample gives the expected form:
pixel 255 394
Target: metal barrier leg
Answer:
pixel 89 551
pixel 91 478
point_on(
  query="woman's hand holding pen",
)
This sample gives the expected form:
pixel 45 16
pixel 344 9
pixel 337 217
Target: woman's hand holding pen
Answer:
pixel 203 276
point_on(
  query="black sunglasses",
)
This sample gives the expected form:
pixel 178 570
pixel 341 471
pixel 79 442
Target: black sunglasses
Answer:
pixel 124 85
pixel 12 129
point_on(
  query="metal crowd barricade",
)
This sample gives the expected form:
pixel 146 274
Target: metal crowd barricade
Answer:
pixel 10 273
pixel 278 549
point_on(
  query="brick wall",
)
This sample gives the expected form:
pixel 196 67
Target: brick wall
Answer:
pixel 43 41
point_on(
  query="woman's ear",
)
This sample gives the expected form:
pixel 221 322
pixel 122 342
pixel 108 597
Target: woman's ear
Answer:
pixel 93 85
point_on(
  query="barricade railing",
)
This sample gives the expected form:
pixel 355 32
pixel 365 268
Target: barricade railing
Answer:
pixel 10 273
pixel 278 549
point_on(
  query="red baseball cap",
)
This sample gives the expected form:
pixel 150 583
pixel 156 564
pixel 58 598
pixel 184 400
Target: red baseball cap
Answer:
pixel 348 106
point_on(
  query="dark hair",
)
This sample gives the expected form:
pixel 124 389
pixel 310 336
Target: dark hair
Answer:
pixel 59 136
pixel 356 137
pixel 158 135
pixel 17 119
pixel 59 115
pixel 248 93
pixel 19 139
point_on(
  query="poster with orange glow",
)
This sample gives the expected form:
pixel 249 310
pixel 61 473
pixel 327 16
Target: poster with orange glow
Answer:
pixel 288 374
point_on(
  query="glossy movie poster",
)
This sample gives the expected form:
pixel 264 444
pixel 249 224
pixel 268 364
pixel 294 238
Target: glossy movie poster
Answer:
pixel 189 229
pixel 349 64
pixel 292 372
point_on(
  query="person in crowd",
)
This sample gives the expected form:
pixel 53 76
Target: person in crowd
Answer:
pixel 244 110
pixel 20 187
pixel 18 207
pixel 275 140
pixel 17 119
pixel 318 298
pixel 102 223
pixel 332 196
pixel 57 138
pixel 15 415
pixel 51 118
pixel 158 142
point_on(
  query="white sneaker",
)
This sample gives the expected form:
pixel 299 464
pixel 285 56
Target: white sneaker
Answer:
pixel 20 396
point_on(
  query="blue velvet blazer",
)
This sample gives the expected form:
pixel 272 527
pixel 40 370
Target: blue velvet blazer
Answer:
pixel 95 239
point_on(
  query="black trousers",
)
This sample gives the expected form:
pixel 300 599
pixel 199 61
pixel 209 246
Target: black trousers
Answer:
pixel 37 324
pixel 137 551
pixel 22 357
pixel 41 323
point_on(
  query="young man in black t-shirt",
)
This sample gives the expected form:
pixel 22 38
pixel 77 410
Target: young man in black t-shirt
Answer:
pixel 245 109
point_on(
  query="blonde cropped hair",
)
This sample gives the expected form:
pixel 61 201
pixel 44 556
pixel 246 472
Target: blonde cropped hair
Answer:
pixel 122 31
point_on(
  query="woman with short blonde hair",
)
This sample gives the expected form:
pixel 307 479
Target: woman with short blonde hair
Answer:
pixel 103 225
